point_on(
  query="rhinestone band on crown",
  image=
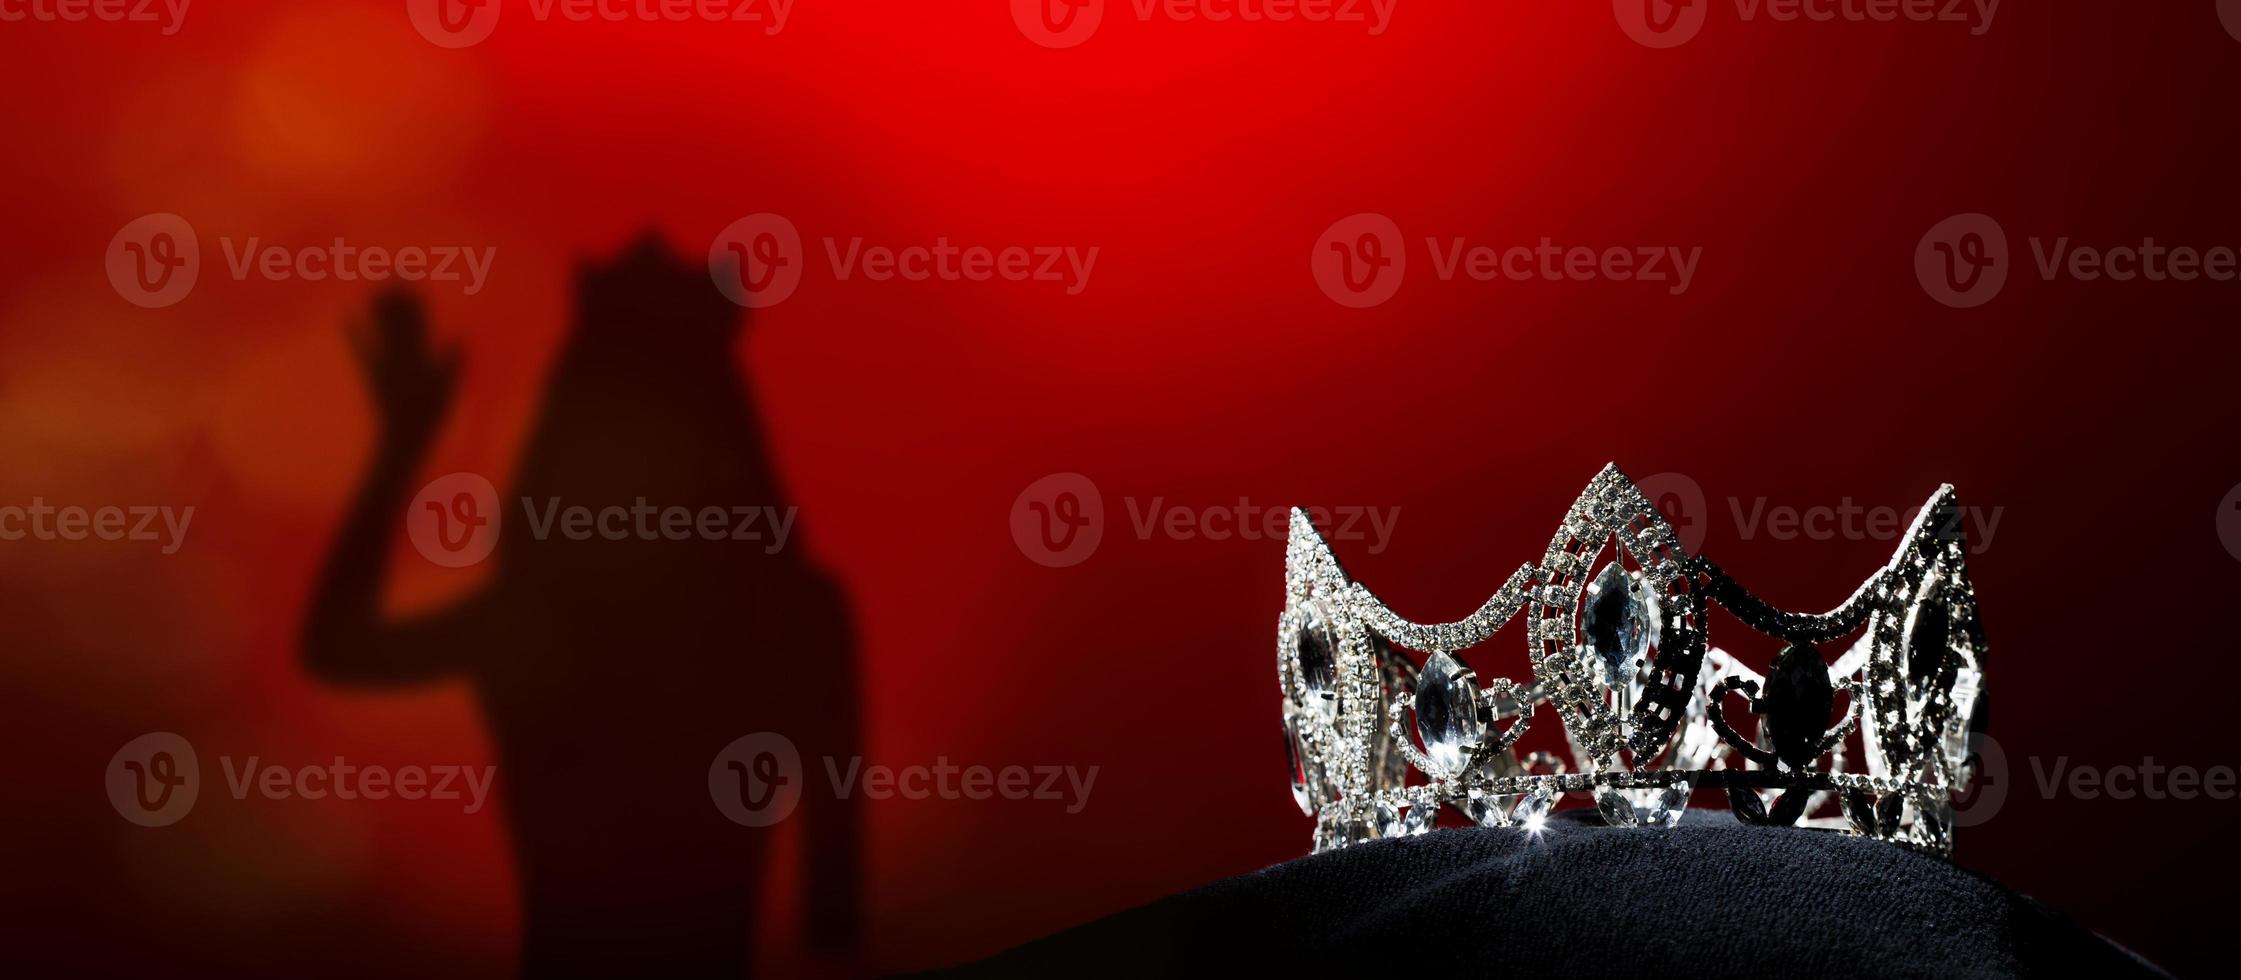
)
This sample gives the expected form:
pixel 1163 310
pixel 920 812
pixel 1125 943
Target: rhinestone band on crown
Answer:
pixel 1614 618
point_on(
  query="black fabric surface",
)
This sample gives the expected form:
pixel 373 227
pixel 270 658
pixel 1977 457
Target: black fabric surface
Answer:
pixel 1712 896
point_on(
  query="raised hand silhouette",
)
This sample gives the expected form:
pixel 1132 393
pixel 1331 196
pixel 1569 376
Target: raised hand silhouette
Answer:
pixel 412 384
pixel 612 671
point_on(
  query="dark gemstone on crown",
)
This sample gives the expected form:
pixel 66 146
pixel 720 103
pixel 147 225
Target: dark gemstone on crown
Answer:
pixel 1797 703
pixel 1928 643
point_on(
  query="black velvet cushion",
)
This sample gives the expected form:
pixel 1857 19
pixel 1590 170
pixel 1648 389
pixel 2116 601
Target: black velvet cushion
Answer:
pixel 1712 896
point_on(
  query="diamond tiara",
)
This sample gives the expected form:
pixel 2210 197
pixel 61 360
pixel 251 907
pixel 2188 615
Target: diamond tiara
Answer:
pixel 1615 621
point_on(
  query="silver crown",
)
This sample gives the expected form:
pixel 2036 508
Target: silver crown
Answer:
pixel 1386 723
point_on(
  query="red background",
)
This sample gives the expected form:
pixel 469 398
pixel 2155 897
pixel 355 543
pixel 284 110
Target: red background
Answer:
pixel 1201 365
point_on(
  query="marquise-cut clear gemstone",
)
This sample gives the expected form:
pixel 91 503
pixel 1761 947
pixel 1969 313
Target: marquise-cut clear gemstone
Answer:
pixel 1620 619
pixel 1618 811
pixel 1316 645
pixel 1447 719
pixel 1672 801
pixel 1393 821
pixel 1488 810
pixel 1532 810
pixel 1301 794
pixel 1933 825
pixel 1859 809
pixel 1335 829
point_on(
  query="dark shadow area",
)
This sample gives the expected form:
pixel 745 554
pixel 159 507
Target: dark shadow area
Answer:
pixel 612 670
pixel 1713 897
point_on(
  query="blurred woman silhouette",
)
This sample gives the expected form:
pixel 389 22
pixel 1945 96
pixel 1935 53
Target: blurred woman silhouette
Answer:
pixel 613 672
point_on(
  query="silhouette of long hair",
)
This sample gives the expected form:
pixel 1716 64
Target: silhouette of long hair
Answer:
pixel 613 672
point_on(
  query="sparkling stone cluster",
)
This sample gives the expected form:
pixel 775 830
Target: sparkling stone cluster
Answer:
pixel 1381 740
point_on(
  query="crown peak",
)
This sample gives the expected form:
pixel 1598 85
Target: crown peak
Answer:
pixel 1915 675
